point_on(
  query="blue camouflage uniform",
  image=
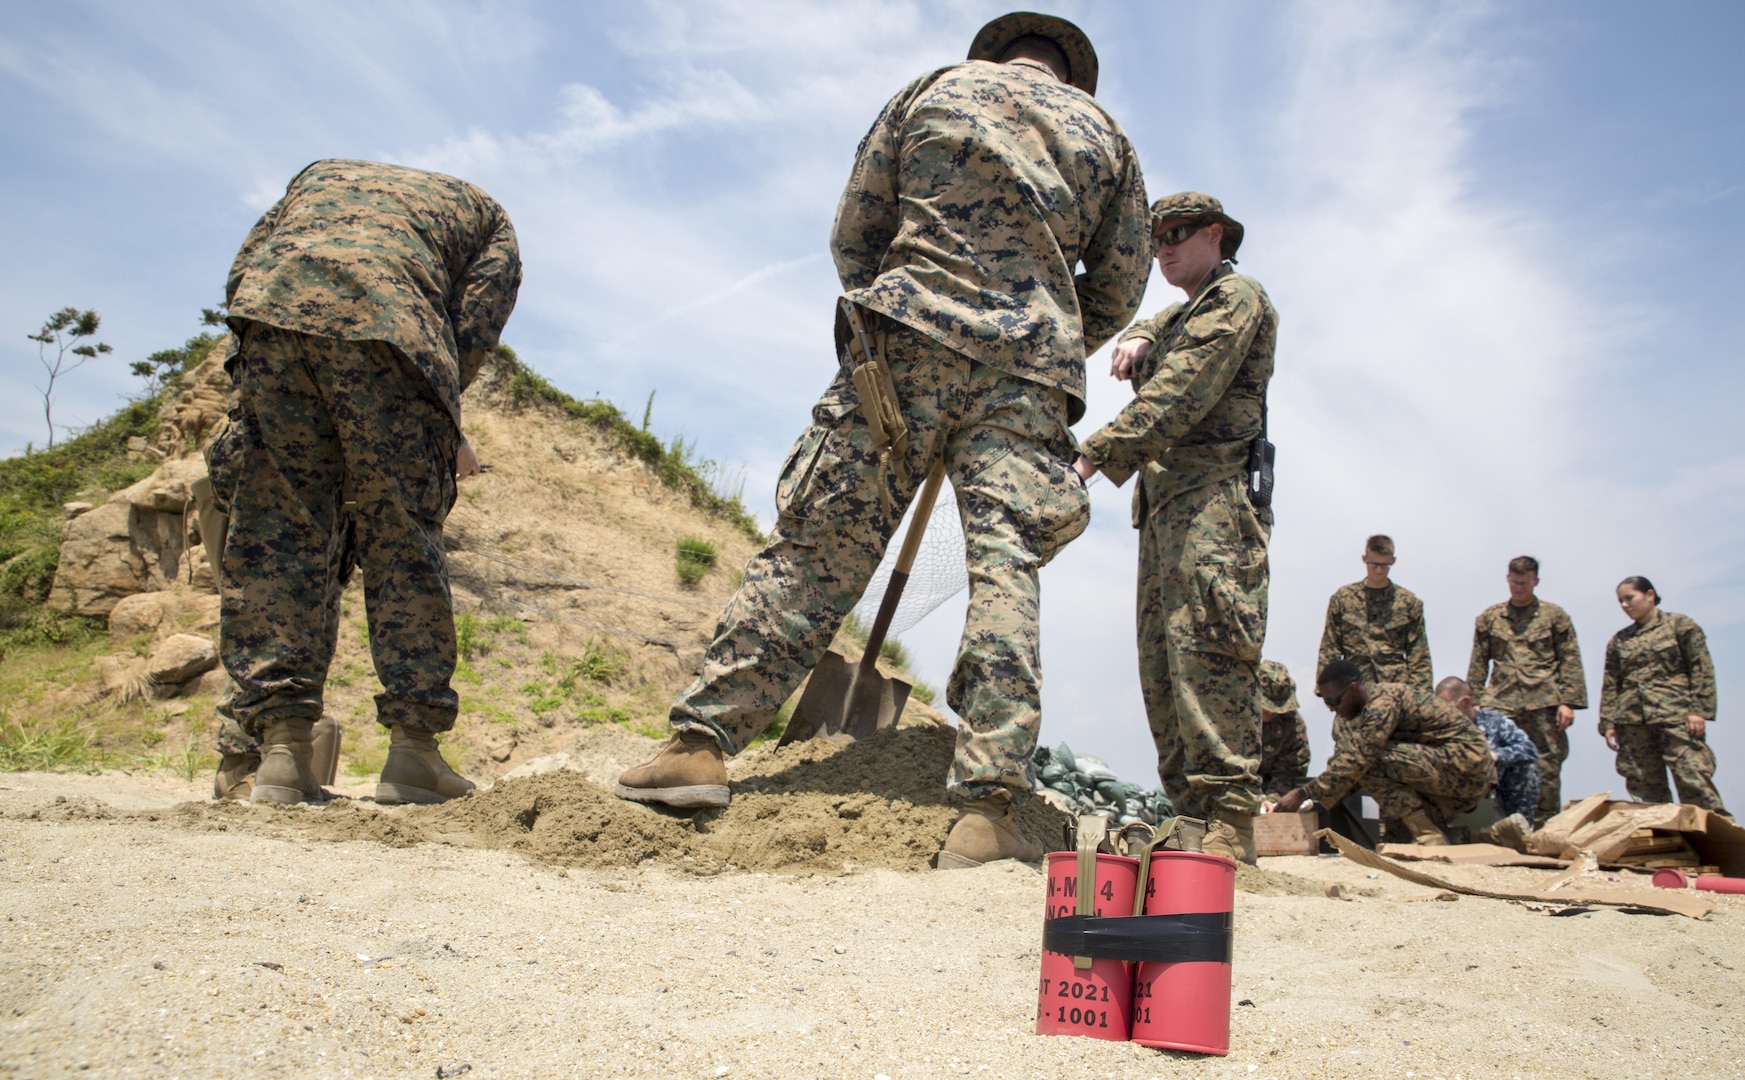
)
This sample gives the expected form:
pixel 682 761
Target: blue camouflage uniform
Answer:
pixel 1517 764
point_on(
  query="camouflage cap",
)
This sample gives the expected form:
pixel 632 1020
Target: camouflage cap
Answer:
pixel 1278 691
pixel 992 39
pixel 1193 206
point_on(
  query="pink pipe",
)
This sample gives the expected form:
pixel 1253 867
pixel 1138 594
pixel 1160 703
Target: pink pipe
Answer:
pixel 1716 883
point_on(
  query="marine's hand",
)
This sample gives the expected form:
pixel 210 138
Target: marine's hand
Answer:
pixel 1291 801
pixel 1612 739
pixel 1126 356
pixel 1085 467
pixel 466 463
pixel 1565 717
pixel 1696 725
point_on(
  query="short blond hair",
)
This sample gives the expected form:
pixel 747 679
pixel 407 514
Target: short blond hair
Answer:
pixel 1379 544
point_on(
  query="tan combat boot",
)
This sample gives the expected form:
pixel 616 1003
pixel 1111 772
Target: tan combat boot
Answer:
pixel 286 774
pixel 327 735
pixel 988 830
pixel 689 772
pixel 415 771
pixel 1232 836
pixel 235 776
pixel 1425 832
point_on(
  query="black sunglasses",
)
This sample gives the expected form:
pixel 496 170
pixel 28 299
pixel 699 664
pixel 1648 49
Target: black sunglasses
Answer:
pixel 1178 233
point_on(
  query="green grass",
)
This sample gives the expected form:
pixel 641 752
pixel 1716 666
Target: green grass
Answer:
pixel 695 556
pixel 676 465
pixel 43 747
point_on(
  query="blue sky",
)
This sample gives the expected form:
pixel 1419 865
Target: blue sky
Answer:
pixel 1503 240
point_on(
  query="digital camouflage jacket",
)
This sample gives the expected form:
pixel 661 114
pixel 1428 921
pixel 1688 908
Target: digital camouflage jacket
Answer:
pixel 1526 658
pixel 1395 714
pixel 1198 393
pixel 1381 631
pixel 975 195
pixel 1284 752
pixel 1657 673
pixel 360 251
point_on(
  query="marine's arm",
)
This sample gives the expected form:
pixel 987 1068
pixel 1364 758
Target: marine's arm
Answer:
pixel 1118 257
pixel 868 214
pixel 1478 667
pixel 1611 688
pixel 1570 678
pixel 1365 738
pixel 482 298
pixel 1188 382
pixel 1702 673
pixel 1418 666
pixel 1513 746
pixel 1294 758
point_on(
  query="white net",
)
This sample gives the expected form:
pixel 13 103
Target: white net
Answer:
pixel 938 573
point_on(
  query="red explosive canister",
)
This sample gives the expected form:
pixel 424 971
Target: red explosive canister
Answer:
pixel 1716 883
pixel 1084 996
pixel 1185 1004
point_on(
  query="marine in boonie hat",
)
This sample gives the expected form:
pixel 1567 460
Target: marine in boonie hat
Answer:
pixel 1278 691
pixel 992 40
pixel 1186 206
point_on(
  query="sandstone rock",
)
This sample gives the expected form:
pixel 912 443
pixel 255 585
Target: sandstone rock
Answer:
pixel 214 683
pixel 74 509
pixel 141 613
pixel 180 657
pixel 99 563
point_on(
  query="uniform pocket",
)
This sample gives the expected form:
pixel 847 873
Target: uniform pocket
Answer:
pixel 226 457
pixel 1227 607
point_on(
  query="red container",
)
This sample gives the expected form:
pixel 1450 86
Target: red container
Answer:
pixel 1185 1006
pixel 1716 883
pixel 1668 878
pixel 1096 1001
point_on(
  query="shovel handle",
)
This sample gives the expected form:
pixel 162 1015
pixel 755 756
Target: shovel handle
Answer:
pixel 875 639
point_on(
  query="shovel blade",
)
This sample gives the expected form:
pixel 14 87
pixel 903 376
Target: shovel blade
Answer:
pixel 836 703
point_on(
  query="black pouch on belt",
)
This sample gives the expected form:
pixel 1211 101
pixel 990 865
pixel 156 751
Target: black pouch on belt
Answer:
pixel 863 350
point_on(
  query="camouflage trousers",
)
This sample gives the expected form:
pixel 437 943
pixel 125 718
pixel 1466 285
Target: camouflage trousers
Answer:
pixel 1647 752
pixel 1553 745
pixel 1202 621
pixel 336 453
pixel 1008 453
pixel 1517 790
pixel 1447 781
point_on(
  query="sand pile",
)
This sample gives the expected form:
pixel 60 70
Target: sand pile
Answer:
pixel 814 806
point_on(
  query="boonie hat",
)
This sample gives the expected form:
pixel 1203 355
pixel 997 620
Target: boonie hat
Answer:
pixel 992 39
pixel 1278 691
pixel 1193 206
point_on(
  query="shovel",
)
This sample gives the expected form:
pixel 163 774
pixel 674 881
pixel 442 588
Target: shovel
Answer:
pixel 855 700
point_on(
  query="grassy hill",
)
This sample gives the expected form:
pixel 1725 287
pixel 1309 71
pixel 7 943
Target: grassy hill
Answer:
pixel 588 567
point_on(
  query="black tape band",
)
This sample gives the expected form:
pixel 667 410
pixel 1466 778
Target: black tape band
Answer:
pixel 1163 939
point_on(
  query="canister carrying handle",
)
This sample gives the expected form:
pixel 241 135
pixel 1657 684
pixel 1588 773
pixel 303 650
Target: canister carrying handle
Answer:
pixel 1188 833
pixel 1092 828
pixel 1199 937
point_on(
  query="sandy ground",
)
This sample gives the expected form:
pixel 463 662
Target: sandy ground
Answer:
pixel 143 940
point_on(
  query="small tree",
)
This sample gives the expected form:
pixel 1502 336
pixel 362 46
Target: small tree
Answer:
pixel 61 331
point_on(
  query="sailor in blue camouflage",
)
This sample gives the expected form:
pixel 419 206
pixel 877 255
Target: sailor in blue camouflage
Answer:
pixel 974 198
pixel 1517 764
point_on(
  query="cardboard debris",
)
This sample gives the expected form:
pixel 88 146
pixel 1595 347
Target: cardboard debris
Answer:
pixel 1642 835
pixel 1664 901
pixel 1286 834
pixel 1472 855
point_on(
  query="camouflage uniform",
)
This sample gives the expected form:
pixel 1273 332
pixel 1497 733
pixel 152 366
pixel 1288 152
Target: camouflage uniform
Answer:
pixel 1284 739
pixel 1202 549
pixel 958 226
pixel 1379 630
pixel 1525 663
pixel 1410 750
pixel 1517 761
pixel 363 303
pixel 1655 677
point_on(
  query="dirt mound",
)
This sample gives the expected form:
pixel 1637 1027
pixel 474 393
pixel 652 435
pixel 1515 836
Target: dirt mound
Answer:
pixel 816 806
pixel 69 808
